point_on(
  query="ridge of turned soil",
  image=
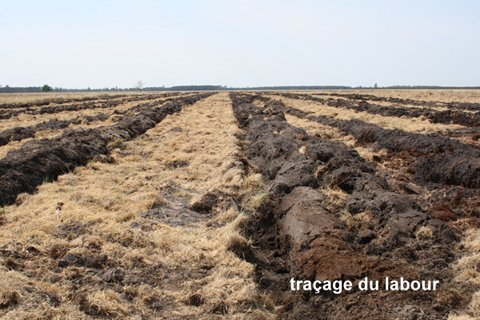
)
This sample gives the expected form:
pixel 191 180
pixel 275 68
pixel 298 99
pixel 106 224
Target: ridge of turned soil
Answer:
pixel 374 232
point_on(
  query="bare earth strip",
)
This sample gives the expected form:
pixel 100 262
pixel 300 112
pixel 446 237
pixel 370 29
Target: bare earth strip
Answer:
pixel 24 120
pixel 393 104
pixel 16 98
pixel 84 124
pixel 102 241
pixel 414 125
pixel 58 103
pixel 424 112
pixel 465 270
pixel 410 125
pixel 443 95
pixel 303 224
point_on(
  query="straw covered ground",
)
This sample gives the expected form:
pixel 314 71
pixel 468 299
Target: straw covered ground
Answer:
pixel 212 205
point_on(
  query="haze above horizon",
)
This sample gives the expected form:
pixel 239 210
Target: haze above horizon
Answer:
pixel 109 43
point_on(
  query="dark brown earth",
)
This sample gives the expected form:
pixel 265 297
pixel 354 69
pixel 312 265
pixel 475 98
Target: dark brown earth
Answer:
pixel 96 270
pixel 20 133
pixel 472 106
pixel 375 232
pixel 406 151
pixel 88 104
pixel 58 101
pixel 433 158
pixel 381 225
pixel 468 119
pixel 22 170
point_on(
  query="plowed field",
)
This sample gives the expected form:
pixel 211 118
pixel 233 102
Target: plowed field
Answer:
pixel 242 205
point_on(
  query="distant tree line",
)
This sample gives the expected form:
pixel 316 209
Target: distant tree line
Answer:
pixel 188 88
pixel 8 89
pixel 426 87
pixel 293 88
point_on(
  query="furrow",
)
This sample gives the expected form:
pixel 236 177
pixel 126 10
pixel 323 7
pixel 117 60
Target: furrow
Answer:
pixel 332 217
pixel 467 119
pixel 150 235
pixel 20 133
pixel 434 159
pixel 453 105
pixel 7 114
pixel 43 160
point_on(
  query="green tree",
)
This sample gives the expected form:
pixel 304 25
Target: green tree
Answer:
pixel 46 88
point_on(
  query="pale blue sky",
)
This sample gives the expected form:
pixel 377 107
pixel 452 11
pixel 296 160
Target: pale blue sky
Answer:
pixel 105 43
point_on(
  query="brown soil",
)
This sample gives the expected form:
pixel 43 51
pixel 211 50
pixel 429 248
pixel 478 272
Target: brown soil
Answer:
pixel 433 158
pixel 150 234
pixel 199 218
pixel 467 119
pixel 59 101
pixel 21 133
pixel 32 109
pixel 370 97
pixel 37 161
pixel 303 233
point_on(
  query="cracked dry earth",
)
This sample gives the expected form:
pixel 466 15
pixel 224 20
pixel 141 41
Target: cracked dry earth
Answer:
pixel 205 206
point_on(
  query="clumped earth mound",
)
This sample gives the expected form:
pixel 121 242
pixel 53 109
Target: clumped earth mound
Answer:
pixel 59 101
pixel 468 119
pixel 60 108
pixel 433 158
pixel 44 160
pixel 472 106
pixel 20 133
pixel 87 104
pixel 306 233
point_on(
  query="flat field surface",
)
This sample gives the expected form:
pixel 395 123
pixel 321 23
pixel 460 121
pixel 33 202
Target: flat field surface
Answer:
pixel 206 205
pixel 17 98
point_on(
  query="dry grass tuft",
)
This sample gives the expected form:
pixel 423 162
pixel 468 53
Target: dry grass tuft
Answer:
pixel 240 223
pixel 255 182
pixel 106 303
pixel 468 272
pixel 461 317
pixel 115 144
pixel 9 298
pixel 416 125
pixel 424 233
pixel 364 216
pixel 257 201
pixel 237 244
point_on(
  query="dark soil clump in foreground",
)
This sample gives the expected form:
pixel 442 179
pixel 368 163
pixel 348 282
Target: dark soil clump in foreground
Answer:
pixel 307 233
